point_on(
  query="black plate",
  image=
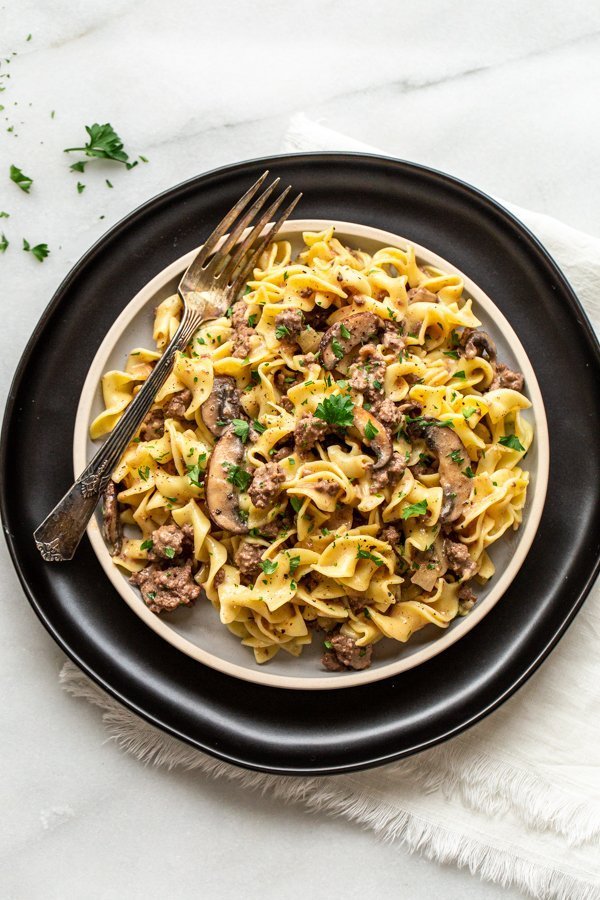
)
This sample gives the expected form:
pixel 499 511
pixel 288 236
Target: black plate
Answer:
pixel 293 731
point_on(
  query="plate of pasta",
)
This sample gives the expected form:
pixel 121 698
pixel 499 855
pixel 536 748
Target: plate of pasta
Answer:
pixel 343 474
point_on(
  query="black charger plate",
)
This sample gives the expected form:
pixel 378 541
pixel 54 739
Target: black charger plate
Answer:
pixel 314 732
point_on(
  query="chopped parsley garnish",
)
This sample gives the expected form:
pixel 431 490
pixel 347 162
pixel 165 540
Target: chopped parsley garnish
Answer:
pixel 453 354
pixel 415 509
pixel 80 187
pixel 103 143
pixel 170 552
pixel 241 428
pixel 252 320
pixel 4 215
pixel 40 251
pixel 469 472
pixel 377 385
pixel 365 554
pixel 229 311
pixel 108 183
pixel 423 420
pixel 3 243
pixel 268 566
pixel 456 457
pixel 468 411
pixel 370 431
pixel 512 441
pixel 294 563
pixel 336 410
pixel 151 595
pixel 78 166
pixel 296 504
pixel 147 545
pixel 20 179
pixel 281 331
pixel 461 374
pixel 337 349
pixel 144 473
pixel 195 474
pixel 247 290
pixel 258 427
pixel 328 645
pixel 238 476
pixel 344 333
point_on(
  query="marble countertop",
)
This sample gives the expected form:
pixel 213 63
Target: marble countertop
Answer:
pixel 503 96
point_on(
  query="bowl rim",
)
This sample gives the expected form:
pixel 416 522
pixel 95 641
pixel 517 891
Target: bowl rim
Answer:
pixel 331 681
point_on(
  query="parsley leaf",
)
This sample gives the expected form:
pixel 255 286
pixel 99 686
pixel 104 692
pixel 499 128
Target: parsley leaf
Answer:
pixel 195 473
pixel 238 476
pixel 365 554
pixel 294 563
pixel 370 431
pixel 40 251
pixel 80 187
pixel 468 411
pixel 268 566
pixel 512 441
pixel 78 167
pixel 453 354
pixel 258 427
pixel 170 552
pixel 328 645
pixel 415 509
pixel 460 374
pixel 252 320
pixel 20 179
pixel 469 472
pixel 281 331
pixel 147 545
pixel 296 504
pixel 4 215
pixel 456 457
pixel 337 349
pixel 3 243
pixel 104 143
pixel 344 332
pixel 144 473
pixel 241 428
pixel 336 410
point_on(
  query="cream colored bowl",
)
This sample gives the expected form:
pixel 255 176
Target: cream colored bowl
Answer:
pixel 197 631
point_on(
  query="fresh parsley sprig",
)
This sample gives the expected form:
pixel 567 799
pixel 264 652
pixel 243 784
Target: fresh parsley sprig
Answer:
pixel 20 179
pixel 40 251
pixel 103 143
pixel 414 509
pixel 336 410
pixel 512 441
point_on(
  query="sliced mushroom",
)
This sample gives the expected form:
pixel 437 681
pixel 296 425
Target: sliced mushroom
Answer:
pixel 222 405
pixel 448 447
pixel 476 343
pixel 380 442
pixel 422 295
pixel 111 523
pixel 359 327
pixel 222 497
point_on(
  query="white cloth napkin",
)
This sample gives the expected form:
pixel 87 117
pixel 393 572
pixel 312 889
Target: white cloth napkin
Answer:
pixel 516 798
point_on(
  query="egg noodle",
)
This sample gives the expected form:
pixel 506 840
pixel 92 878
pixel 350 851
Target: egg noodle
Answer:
pixel 361 443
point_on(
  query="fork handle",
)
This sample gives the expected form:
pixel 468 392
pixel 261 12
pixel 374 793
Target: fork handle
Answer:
pixel 59 535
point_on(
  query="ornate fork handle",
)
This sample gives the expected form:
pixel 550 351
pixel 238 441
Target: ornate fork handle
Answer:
pixel 59 534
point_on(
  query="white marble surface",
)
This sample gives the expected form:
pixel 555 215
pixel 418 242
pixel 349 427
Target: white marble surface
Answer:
pixel 502 95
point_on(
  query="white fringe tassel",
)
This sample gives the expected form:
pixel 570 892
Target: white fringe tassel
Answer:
pixel 331 795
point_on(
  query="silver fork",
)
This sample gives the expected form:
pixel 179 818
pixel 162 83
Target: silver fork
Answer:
pixel 208 286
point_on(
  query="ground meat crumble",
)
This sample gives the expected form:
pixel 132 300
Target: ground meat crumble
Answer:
pixel 171 542
pixel 163 590
pixel 247 558
pixel 176 407
pixel 242 331
pixel 344 654
pixel 266 485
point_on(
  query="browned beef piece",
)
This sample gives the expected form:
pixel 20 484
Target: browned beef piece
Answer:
pixel 177 404
pixel 326 486
pixel 163 590
pixel 247 559
pixel 266 485
pixel 389 475
pixel 386 412
pixel 307 432
pixel 506 378
pixel 282 453
pixel 171 542
pixel 392 535
pixel 466 600
pixel 421 295
pixel 292 319
pixel 367 374
pixel 153 426
pixel 392 339
pixel 459 560
pixel 356 601
pixel 111 523
pixel 242 331
pixel 344 654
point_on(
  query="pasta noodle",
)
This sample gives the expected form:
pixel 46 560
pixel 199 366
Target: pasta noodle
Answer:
pixel 338 452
